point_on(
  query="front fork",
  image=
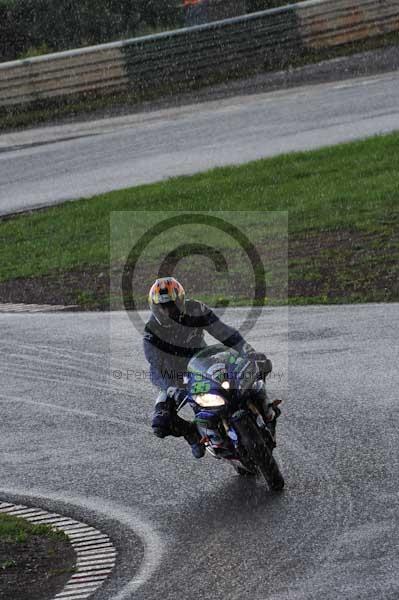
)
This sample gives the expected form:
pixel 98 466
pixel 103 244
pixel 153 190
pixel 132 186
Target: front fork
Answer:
pixel 266 419
pixel 230 431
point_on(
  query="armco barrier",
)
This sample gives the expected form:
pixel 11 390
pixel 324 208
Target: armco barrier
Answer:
pixel 251 42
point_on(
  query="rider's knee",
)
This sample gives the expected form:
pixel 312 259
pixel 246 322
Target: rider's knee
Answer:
pixel 160 432
pixel 161 418
pixel 161 398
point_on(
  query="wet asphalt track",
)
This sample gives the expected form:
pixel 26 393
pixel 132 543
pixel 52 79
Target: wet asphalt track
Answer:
pixel 52 164
pixel 71 431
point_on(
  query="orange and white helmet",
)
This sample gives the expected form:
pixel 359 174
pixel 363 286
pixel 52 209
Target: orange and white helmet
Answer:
pixel 167 300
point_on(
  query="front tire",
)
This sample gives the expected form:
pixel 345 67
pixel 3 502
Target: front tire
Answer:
pixel 259 452
pixel 243 472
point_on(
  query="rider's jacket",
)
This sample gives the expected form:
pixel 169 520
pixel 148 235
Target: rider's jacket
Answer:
pixel 168 349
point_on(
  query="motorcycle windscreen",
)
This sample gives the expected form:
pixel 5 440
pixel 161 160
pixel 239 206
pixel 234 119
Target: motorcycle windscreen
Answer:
pixel 213 363
pixel 219 363
pixel 246 372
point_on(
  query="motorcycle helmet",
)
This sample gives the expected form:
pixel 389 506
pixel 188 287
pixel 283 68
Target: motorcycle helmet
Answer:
pixel 166 300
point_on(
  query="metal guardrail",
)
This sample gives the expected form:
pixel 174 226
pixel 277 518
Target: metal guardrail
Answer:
pixel 221 48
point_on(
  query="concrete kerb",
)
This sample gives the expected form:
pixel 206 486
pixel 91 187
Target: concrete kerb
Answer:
pixel 95 553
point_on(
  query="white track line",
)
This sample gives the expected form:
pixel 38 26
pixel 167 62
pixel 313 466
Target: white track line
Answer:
pixel 31 308
pixel 72 411
pixel 78 586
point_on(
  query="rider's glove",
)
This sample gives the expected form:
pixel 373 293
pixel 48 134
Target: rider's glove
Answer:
pixel 264 363
pixel 248 351
pixel 268 367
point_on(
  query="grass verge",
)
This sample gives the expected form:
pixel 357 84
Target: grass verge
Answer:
pixel 35 560
pixel 343 208
pixel 14 529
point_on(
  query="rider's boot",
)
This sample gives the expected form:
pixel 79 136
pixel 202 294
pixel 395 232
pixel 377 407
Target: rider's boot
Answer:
pixel 190 433
pixel 194 439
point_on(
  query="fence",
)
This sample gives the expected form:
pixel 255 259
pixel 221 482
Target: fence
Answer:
pixel 221 49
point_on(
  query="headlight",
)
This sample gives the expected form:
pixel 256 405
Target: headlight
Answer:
pixel 209 400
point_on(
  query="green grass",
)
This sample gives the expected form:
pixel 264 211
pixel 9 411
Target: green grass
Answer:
pixel 17 530
pixel 347 193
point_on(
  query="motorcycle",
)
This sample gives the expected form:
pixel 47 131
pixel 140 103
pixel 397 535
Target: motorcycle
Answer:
pixel 224 392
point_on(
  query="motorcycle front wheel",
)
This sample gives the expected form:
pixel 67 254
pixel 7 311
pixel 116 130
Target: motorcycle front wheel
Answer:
pixel 259 452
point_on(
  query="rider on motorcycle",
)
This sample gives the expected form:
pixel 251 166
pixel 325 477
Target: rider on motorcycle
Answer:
pixel 172 335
